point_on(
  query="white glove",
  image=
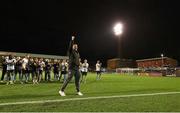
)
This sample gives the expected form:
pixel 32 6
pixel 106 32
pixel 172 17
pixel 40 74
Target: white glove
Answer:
pixel 73 37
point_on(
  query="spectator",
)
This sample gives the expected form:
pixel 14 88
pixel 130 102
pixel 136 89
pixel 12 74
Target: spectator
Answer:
pixel 4 68
pixel 41 67
pixel 35 71
pixel 98 70
pixel 18 67
pixel 64 70
pixel 85 67
pixel 47 70
pixel 25 74
pixel 10 69
pixel 30 67
pixel 56 67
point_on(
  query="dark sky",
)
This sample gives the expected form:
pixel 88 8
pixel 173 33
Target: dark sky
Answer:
pixel 151 27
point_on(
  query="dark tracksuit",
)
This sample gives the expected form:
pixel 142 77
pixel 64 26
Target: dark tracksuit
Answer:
pixel 47 71
pixel 56 71
pixel 18 69
pixel 4 70
pixel 73 67
pixel 30 69
pixel 35 70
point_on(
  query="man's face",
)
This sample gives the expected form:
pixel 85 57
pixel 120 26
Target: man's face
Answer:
pixel 10 56
pixel 18 58
pixel 75 47
pixel 36 60
pixel 27 56
pixel 31 60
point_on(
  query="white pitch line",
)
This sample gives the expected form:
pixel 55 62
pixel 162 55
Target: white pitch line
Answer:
pixel 88 98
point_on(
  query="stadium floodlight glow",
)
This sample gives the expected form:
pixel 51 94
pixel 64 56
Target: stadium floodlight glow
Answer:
pixel 118 29
pixel 162 55
pixel 162 60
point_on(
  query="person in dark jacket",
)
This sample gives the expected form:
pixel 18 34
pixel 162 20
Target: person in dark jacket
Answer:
pixel 73 68
pixel 64 70
pixel 47 70
pixel 18 67
pixel 36 71
pixel 56 68
pixel 4 68
pixel 30 68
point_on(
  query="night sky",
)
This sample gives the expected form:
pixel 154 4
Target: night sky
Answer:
pixel 151 27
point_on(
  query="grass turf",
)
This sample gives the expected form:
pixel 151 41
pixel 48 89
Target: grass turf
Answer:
pixel 109 85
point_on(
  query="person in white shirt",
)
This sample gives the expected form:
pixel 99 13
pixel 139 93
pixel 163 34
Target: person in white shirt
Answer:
pixel 10 69
pixel 64 70
pixel 41 68
pixel 85 67
pixel 25 74
pixel 98 70
pixel 80 66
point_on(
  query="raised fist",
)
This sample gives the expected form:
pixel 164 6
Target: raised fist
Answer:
pixel 73 37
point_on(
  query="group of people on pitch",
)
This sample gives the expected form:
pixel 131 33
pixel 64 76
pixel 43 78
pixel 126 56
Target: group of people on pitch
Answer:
pixel 32 69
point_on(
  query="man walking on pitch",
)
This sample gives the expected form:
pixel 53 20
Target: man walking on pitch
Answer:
pixel 73 68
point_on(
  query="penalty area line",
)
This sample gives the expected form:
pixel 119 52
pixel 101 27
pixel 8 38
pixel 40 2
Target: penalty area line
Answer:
pixel 88 98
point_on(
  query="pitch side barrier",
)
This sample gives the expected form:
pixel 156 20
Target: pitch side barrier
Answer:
pixel 160 71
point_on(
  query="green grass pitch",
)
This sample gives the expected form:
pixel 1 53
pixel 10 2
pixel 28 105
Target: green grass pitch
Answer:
pixel 109 85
